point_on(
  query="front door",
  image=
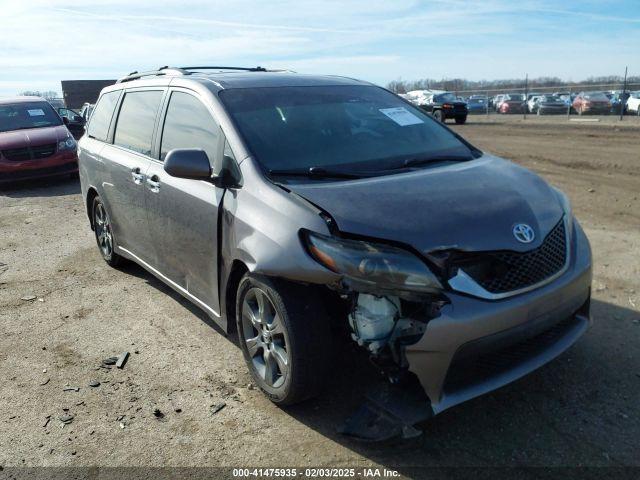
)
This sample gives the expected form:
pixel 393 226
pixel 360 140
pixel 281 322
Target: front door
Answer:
pixel 182 213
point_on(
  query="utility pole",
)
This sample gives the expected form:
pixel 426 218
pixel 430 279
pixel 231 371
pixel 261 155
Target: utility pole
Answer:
pixel 622 98
pixel 526 94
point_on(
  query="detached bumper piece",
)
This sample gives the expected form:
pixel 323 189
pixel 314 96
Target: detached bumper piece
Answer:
pixel 390 411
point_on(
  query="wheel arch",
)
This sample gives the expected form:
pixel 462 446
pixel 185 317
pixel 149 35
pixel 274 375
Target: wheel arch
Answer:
pixel 92 193
pixel 237 271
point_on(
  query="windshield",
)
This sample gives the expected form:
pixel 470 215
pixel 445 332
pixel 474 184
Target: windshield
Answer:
pixel 445 97
pixel 515 97
pixel 476 100
pixel 353 126
pixel 19 116
pixel 550 99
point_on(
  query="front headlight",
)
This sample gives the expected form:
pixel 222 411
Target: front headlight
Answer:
pixel 68 144
pixel 372 264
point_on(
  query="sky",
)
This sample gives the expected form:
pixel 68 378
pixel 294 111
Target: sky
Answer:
pixel 43 42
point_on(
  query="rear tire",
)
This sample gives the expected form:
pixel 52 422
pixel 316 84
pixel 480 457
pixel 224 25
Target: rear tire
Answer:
pixel 285 337
pixel 438 116
pixel 461 120
pixel 104 233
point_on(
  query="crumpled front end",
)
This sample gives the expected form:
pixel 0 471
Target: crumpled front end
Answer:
pixel 475 345
pixel 458 346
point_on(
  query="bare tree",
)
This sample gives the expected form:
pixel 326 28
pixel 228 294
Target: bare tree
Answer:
pixel 461 84
pixel 47 94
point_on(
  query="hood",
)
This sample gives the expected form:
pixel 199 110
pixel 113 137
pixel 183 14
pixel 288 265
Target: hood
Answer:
pixel 32 137
pixel 470 206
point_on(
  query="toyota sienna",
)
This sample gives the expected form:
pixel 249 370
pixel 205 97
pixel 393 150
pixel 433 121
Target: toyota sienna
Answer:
pixel 287 206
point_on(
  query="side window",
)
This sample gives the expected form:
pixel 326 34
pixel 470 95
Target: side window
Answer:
pixel 189 124
pixel 101 119
pixel 134 129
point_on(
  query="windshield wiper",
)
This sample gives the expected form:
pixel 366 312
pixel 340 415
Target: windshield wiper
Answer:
pixel 315 172
pixel 420 161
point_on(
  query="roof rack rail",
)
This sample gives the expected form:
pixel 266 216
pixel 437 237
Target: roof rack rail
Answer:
pixel 166 70
pixel 244 69
pixel 173 71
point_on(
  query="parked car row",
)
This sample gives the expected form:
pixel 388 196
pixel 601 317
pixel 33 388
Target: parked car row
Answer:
pixel 446 105
pixel 588 102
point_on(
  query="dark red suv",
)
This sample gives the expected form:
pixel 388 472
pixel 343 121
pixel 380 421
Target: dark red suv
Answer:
pixel 34 141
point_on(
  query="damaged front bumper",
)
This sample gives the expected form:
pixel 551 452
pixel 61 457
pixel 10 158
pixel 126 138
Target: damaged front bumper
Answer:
pixel 476 346
pixel 473 346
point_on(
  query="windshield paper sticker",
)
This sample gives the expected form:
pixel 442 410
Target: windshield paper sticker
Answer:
pixel 401 116
pixel 36 112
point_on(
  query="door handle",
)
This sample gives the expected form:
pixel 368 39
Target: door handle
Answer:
pixel 137 176
pixel 153 183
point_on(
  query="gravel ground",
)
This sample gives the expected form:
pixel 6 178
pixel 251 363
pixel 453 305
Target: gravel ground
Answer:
pixel 581 410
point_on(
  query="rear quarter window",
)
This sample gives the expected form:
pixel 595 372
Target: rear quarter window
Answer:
pixel 101 119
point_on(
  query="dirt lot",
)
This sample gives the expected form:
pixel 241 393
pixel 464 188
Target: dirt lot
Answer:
pixel 580 410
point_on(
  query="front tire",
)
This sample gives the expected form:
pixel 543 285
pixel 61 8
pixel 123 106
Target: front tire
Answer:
pixel 104 233
pixel 438 115
pixel 285 338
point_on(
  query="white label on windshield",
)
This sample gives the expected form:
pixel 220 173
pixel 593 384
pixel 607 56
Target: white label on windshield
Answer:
pixel 401 116
pixel 36 112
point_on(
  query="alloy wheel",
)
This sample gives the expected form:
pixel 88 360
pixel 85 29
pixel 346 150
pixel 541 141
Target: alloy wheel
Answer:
pixel 264 337
pixel 103 230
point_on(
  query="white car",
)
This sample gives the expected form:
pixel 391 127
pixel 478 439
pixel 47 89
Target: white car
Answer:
pixel 633 103
pixel 531 103
pixel 422 97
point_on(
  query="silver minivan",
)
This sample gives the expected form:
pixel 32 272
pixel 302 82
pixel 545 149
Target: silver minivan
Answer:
pixel 298 209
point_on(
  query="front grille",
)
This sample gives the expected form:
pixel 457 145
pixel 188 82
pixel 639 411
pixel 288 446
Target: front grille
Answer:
pixel 507 271
pixel 29 153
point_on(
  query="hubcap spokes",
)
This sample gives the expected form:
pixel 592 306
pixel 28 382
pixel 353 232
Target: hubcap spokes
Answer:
pixel 103 230
pixel 264 337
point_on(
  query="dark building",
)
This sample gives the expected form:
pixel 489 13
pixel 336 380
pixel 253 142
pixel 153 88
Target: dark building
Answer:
pixel 77 92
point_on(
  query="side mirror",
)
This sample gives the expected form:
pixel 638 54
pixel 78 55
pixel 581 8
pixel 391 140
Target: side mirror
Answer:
pixel 188 163
pixel 65 120
pixel 193 163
